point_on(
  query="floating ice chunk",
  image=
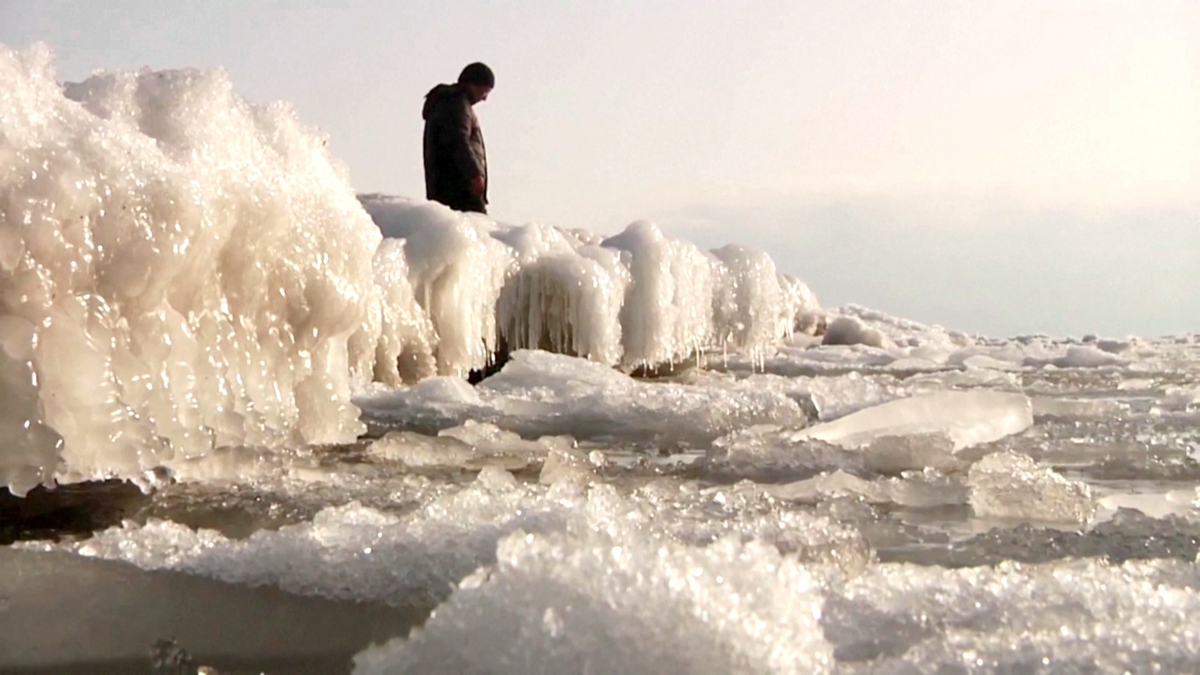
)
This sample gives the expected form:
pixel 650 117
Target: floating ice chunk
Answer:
pixel 838 396
pixel 563 604
pixel 790 361
pixel 1066 407
pixel 491 438
pixel 567 464
pixel 910 452
pixel 417 450
pixel 985 362
pixel 767 452
pixel 1010 485
pixel 967 418
pixel 1181 398
pixel 471 446
pixel 920 492
pixel 1087 357
pixel 848 330
pixel 1155 505
pixel 971 378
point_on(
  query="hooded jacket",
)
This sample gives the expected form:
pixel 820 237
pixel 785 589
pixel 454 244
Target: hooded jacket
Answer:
pixel 454 149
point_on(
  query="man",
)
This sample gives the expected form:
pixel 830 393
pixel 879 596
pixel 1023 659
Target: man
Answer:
pixel 455 157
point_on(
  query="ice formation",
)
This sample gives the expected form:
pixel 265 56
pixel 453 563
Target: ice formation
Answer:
pixel 181 270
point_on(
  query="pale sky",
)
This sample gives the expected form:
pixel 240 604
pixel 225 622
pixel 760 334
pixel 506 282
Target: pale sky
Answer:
pixel 1002 167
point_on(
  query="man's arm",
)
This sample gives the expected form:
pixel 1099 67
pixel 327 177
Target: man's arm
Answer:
pixel 460 147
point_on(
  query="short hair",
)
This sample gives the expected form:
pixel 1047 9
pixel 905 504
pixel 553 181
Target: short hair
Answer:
pixel 477 73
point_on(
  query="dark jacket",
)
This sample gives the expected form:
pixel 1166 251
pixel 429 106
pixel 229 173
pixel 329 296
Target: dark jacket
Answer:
pixel 454 150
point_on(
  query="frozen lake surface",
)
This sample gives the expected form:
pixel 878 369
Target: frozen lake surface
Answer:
pixel 691 523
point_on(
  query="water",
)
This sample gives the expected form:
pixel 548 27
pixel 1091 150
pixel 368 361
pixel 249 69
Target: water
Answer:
pixel 270 374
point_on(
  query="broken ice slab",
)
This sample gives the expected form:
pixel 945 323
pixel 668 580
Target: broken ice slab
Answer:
pixel 1011 485
pixel 967 418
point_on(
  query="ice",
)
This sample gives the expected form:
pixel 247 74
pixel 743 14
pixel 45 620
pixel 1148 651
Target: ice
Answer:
pixel 473 445
pixel 193 268
pixel 1155 505
pixel 967 418
pixel 848 330
pixel 641 586
pixel 1067 407
pixel 1087 357
pixel 1072 616
pixel 668 310
pixel 543 394
pixel 404 350
pixel 192 297
pixel 559 604
pixel 835 397
pixel 1010 485
pixel 569 303
pixel 751 309
pixel 353 552
pixel 920 490
pixel 768 452
pixel 349 552
pixel 456 269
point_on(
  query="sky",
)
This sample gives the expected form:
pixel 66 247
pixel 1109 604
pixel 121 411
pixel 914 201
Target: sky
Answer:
pixel 1003 167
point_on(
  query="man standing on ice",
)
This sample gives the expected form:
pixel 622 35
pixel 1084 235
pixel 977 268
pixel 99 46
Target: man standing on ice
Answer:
pixel 455 157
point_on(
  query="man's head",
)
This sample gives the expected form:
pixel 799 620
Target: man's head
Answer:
pixel 477 80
